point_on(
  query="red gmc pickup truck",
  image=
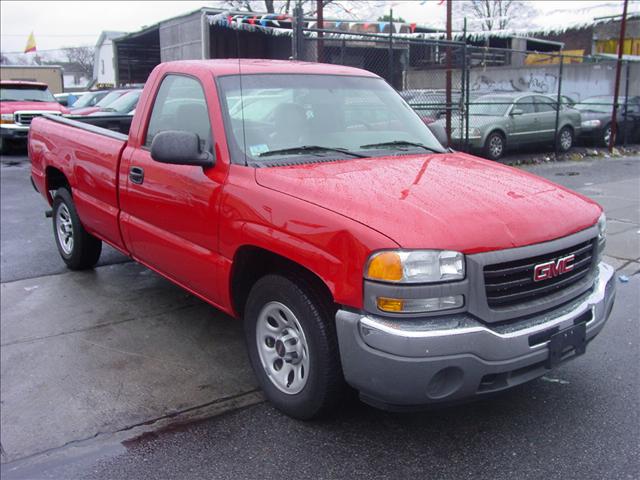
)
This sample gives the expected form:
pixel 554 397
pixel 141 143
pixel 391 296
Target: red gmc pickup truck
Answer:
pixel 312 202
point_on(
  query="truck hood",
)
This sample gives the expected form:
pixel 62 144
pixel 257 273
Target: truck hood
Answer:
pixel 445 201
pixel 11 107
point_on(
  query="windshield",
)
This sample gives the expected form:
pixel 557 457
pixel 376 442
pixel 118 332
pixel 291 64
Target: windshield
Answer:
pixel 109 98
pixel 125 103
pixel 494 106
pixel 601 104
pixel 16 93
pixel 88 99
pixel 332 116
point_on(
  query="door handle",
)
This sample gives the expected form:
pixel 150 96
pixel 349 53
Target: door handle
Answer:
pixel 136 175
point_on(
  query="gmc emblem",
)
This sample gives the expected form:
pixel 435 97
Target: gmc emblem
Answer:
pixel 551 269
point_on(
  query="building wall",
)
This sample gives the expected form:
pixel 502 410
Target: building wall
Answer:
pixel 578 80
pixel 105 71
pixel 181 38
pixel 52 76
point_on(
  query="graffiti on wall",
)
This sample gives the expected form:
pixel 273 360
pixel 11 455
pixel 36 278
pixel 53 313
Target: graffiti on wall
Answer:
pixel 515 82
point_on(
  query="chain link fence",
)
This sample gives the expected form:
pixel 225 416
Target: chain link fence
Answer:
pixel 490 100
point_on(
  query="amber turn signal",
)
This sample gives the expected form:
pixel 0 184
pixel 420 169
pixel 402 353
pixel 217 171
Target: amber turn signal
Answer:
pixel 386 266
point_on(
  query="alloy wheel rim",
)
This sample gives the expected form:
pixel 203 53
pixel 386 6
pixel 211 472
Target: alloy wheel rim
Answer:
pixel 607 136
pixel 282 347
pixel 565 140
pixel 64 227
pixel 496 146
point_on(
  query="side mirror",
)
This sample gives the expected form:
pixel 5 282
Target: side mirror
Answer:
pixel 180 148
pixel 516 111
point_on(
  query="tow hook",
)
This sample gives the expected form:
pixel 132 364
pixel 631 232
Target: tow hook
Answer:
pixel 48 213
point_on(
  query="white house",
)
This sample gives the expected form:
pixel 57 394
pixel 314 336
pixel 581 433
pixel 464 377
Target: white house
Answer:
pixel 103 68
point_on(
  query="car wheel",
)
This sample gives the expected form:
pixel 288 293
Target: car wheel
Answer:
pixel 79 249
pixel 606 136
pixel 494 146
pixel 292 345
pixel 565 139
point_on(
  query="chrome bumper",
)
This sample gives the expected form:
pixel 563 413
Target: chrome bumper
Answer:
pixel 414 362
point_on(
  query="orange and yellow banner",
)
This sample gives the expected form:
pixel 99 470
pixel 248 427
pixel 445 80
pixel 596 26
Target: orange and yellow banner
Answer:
pixel 31 44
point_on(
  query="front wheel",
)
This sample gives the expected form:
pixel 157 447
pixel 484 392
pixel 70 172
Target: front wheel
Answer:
pixel 565 139
pixel 606 136
pixel 78 248
pixel 292 345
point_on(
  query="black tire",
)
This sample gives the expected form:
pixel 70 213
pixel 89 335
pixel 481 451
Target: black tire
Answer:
pixel 565 139
pixel 325 386
pixel 494 146
pixel 84 250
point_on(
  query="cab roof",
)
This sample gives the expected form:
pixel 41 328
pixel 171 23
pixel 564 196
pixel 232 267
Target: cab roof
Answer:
pixel 248 66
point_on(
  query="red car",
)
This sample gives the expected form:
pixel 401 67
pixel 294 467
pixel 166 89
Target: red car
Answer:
pixel 310 201
pixel 20 102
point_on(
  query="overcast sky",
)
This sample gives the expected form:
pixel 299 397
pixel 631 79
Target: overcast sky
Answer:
pixel 56 24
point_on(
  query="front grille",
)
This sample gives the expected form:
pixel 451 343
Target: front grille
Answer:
pixel 511 283
pixel 25 118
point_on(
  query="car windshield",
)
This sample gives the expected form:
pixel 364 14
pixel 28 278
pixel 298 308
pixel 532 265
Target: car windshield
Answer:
pixel 15 93
pixel 275 116
pixel 602 104
pixel 125 103
pixel 109 98
pixel 494 106
pixel 88 99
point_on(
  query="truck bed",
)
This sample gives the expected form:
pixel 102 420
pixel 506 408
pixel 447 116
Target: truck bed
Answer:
pixel 87 151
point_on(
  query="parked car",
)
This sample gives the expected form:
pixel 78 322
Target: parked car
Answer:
pixel 369 257
pixel 89 99
pixel 596 119
pixel 68 98
pixel 498 122
pixel 121 106
pixel 20 102
pixel 105 101
pixel 431 105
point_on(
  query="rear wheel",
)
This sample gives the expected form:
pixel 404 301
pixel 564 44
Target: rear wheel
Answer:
pixel 494 146
pixel 292 345
pixel 79 249
pixel 565 139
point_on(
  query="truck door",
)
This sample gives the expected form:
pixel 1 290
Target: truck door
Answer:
pixel 170 212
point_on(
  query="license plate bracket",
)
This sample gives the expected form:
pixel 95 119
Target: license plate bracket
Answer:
pixel 566 344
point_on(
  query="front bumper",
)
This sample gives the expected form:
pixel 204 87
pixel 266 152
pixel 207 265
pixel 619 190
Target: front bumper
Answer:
pixel 14 132
pixel 399 364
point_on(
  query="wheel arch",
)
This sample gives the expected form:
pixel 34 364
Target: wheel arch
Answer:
pixel 251 262
pixel 54 179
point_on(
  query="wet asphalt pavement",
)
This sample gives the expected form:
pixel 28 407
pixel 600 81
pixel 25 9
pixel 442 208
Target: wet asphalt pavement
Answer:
pixel 580 421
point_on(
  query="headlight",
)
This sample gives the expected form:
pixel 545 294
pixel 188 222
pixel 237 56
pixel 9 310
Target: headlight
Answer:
pixel 460 133
pixel 416 266
pixel 6 118
pixel 602 227
pixel 591 123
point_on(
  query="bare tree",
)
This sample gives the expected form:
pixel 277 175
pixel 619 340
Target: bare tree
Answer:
pixel 340 7
pixel 495 14
pixel 82 57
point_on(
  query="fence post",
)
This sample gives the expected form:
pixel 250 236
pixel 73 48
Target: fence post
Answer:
pixel 558 106
pixel 391 82
pixel 466 69
pixel 626 104
pixel 342 47
pixel 297 33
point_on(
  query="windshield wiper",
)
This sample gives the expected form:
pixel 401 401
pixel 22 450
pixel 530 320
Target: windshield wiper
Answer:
pixel 35 100
pixel 310 148
pixel 400 143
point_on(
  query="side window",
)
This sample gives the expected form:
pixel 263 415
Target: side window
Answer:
pixel 180 105
pixel 544 104
pixel 526 105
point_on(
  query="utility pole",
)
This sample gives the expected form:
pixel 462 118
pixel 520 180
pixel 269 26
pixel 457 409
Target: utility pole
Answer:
pixel 391 82
pixel 448 78
pixel 614 115
pixel 320 26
